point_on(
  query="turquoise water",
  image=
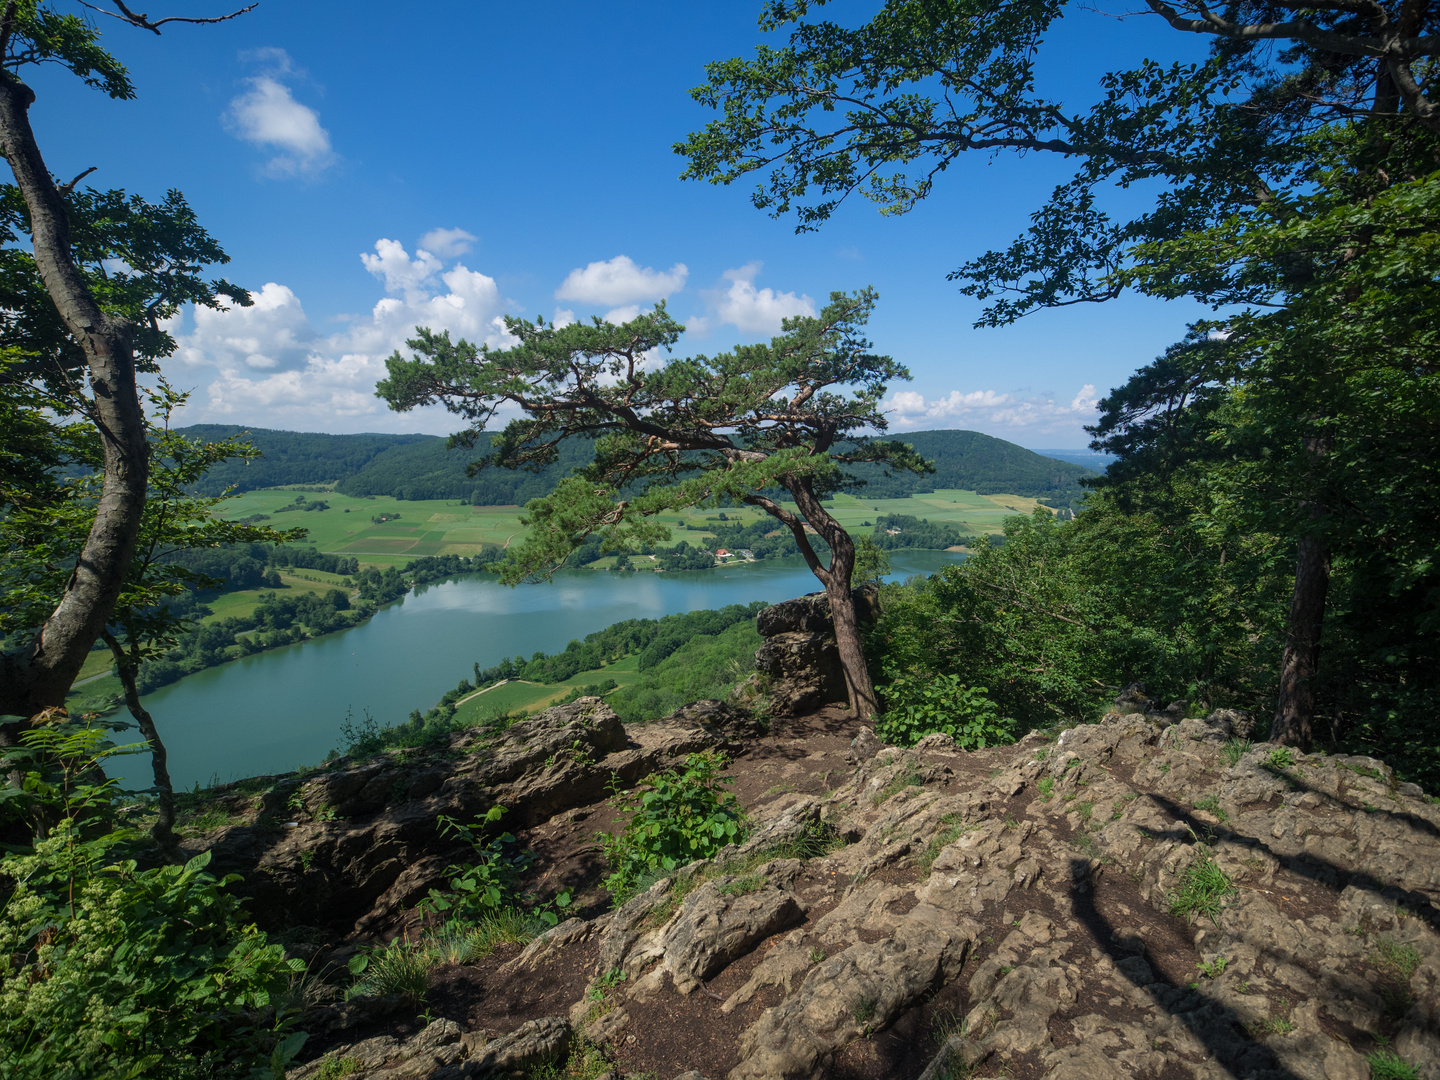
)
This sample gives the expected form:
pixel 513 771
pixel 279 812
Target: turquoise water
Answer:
pixel 271 712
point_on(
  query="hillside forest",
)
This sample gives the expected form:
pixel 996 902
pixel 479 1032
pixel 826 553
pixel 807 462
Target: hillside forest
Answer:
pixel 1264 540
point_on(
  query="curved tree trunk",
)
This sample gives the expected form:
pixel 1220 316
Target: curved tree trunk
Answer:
pixel 164 828
pixel 836 579
pixel 41 675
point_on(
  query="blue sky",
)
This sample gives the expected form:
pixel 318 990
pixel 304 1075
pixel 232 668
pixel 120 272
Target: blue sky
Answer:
pixel 373 166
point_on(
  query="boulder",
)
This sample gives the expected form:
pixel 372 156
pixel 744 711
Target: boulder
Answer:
pixel 723 920
pixel 798 665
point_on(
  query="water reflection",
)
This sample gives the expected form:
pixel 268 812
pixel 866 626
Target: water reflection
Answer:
pixel 283 708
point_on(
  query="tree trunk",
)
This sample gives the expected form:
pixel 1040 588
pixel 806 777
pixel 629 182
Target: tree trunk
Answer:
pixel 836 579
pixel 1295 711
pixel 41 675
pixel 164 829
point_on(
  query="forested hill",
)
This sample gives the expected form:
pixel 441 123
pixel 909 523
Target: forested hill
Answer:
pixel 294 457
pixel 404 466
pixel 420 467
pixel 970 461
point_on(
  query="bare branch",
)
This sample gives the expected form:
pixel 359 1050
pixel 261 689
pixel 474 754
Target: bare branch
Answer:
pixel 66 189
pixel 144 22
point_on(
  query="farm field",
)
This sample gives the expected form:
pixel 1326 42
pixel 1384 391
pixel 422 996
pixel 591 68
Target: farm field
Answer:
pixel 516 695
pixel 449 527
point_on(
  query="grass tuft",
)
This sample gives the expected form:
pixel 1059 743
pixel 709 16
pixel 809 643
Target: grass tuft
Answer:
pixel 1211 804
pixel 938 843
pixel 909 776
pixel 1385 1065
pixel 399 968
pixel 741 886
pixel 1202 887
pixel 1400 957
pixel 338 1068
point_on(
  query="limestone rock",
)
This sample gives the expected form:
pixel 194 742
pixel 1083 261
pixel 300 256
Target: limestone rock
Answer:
pixel 722 921
pixel 534 1043
pixel 798 664
pixel 863 747
pixel 367 848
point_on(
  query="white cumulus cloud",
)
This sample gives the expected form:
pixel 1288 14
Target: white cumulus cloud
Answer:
pixel 756 311
pixel 993 410
pixel 447 243
pixel 268 116
pixel 267 365
pixel 394 265
pixel 620 281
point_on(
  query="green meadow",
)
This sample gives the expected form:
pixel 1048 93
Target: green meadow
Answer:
pixel 449 527
pixel 516 695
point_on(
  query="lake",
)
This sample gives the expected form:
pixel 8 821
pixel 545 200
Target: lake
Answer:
pixel 283 708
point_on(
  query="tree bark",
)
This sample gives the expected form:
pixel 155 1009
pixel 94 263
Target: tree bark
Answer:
pixel 836 579
pixel 1300 662
pixel 40 676
pixel 164 828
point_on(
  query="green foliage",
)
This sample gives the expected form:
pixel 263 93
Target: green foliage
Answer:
pixel 1235 749
pixel 1387 1065
pixel 1279 759
pixel 1201 889
pixel 1053 621
pixel 1213 969
pixel 398 968
pixel 684 816
pixel 480 903
pixel 111 970
pixel 1400 957
pixel 895 531
pixel 916 707
pixel 706 666
pixel 872 563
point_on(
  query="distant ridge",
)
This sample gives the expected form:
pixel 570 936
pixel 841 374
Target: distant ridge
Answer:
pixel 420 467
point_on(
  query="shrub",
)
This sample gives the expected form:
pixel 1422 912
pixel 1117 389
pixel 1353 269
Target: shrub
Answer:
pixel 107 970
pixel 919 707
pixel 686 815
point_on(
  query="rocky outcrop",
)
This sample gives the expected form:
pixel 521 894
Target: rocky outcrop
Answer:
pixel 442 1051
pixel 798 667
pixel 1136 898
pixel 357 842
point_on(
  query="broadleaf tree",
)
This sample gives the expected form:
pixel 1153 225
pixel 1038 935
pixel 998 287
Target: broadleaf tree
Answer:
pixel 1292 96
pixel 769 425
pixel 105 323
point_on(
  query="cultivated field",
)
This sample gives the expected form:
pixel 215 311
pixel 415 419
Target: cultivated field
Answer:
pixel 448 527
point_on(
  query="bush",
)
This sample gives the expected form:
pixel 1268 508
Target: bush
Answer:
pixel 481 890
pixel 107 970
pixel 684 816
pixel 919 707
